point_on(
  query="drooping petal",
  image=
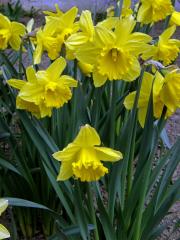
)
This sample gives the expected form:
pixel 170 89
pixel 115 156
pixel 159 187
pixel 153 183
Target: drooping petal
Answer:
pixel 65 171
pixel 108 154
pixel 67 154
pixel 16 83
pixel 87 137
pixel 98 79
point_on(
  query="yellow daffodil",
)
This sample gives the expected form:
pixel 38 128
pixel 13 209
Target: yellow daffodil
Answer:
pixel 166 50
pixel 57 28
pixel 114 53
pixel 44 90
pixel 151 11
pixel 10 33
pixel 3 231
pixel 175 18
pixel 82 158
pixel 166 92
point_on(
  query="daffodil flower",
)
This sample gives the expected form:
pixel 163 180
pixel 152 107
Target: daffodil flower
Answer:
pixel 151 11
pixel 165 90
pixel 44 90
pixel 3 231
pixel 82 158
pixel 57 28
pixel 10 33
pixel 114 53
pixel 166 50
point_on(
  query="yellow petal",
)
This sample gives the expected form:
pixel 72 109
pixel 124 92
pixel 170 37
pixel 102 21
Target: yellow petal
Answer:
pixel 31 74
pixel 67 154
pixel 175 18
pixel 142 115
pixel 32 93
pixel 68 81
pixel 108 154
pixel 124 26
pixel 170 93
pixel 87 137
pixel 104 37
pixel 38 53
pixel 88 53
pixel 86 24
pixel 56 68
pixel 167 34
pixel 75 40
pixel 65 171
pixel 133 71
pixel 16 83
pixel 129 100
pixel 4 232
pixel 3 205
pixel 17 30
pixel 109 23
pixel 99 79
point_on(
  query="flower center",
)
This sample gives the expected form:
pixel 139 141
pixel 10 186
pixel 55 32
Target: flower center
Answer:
pixel 88 167
pixel 114 63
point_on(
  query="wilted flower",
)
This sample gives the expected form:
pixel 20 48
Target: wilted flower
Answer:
pixel 44 90
pixel 152 11
pixel 82 158
pixel 10 33
pixel 3 231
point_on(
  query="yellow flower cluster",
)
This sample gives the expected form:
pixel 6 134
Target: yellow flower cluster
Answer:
pixel 3 231
pixel 112 49
pixel 51 37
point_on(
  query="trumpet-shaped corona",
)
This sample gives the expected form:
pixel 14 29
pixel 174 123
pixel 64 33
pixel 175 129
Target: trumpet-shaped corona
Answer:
pixel 82 158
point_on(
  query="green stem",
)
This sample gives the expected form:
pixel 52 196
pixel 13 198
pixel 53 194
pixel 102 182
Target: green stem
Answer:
pixel 92 211
pixel 119 9
pixel 113 113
